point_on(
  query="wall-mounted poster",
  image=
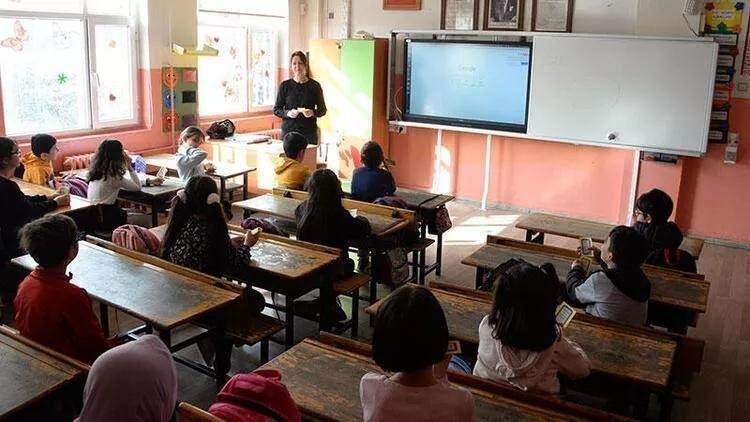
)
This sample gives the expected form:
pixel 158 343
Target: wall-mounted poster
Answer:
pixel 459 15
pixel 402 4
pixel 552 16
pixel 179 100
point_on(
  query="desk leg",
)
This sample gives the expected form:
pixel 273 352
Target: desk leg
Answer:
pixel 439 255
pixel 223 190
pixel 289 322
pixel 104 317
pixel 245 186
pixel 155 212
pixel 223 358
pixel 478 277
pixel 166 337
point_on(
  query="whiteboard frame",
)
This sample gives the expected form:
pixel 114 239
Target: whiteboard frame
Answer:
pixel 516 34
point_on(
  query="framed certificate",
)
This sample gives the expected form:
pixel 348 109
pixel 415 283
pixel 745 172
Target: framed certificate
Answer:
pixel 503 15
pixel 552 16
pixel 459 14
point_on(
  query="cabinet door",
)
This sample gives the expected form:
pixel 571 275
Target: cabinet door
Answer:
pixel 358 74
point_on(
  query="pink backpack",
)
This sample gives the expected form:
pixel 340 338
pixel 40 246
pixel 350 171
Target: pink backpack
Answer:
pixel 259 396
pixel 136 238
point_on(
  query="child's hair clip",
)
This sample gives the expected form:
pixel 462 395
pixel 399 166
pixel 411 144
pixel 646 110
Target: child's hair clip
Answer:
pixel 213 198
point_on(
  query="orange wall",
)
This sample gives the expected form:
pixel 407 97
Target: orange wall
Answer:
pixel 711 198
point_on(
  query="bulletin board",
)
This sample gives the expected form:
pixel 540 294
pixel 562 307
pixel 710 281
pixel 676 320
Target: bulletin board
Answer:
pixel 179 93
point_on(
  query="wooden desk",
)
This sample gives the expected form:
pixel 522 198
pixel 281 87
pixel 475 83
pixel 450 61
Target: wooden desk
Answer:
pixel 31 372
pixel 76 202
pixel 680 299
pixel 618 353
pixel 324 382
pixel 223 171
pixel 283 207
pixel 155 196
pixel 159 297
pixel 280 265
pixel 537 224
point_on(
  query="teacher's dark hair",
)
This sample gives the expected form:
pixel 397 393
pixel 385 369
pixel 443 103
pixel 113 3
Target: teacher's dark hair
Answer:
pixel 303 58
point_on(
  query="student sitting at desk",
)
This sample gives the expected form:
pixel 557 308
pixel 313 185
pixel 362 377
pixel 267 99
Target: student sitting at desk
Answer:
pixel 652 211
pixel 49 308
pixel 323 219
pixel 197 235
pixel 37 163
pixel 519 341
pixel 133 382
pixel 620 291
pixel 190 158
pixel 18 209
pixel 410 340
pixel 107 177
pixel 290 172
pixel 371 182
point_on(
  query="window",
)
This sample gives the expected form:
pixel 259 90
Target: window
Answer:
pixel 67 65
pixel 243 78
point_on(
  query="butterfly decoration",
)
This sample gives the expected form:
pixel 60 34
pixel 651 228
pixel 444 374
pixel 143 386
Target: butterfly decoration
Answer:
pixel 16 42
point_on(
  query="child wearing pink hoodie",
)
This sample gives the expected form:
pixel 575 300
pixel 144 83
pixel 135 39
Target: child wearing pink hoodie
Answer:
pixel 520 341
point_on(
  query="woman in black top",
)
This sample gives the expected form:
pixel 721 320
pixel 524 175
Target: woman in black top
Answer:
pixel 300 101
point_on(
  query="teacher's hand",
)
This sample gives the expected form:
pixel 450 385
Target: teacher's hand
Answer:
pixel 308 113
pixel 292 114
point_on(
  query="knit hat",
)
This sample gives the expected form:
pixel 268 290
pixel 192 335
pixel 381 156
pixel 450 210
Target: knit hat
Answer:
pixel 42 143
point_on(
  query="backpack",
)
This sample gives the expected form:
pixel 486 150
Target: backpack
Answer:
pixel 674 259
pixel 391 267
pixel 391 201
pixel 75 185
pixel 441 223
pixel 490 277
pixel 221 130
pixel 136 238
pixel 259 396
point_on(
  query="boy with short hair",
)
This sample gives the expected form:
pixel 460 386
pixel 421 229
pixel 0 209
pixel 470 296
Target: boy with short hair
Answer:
pixel 620 291
pixel 290 172
pixel 38 162
pixel 49 308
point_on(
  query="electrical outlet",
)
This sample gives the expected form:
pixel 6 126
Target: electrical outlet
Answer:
pixel 397 129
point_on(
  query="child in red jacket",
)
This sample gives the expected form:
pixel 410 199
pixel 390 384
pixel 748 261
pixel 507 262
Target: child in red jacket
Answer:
pixel 49 308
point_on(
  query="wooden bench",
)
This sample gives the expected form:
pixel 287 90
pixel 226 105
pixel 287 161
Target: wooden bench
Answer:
pixel 350 287
pixel 677 299
pixel 189 413
pixel 241 326
pixel 323 377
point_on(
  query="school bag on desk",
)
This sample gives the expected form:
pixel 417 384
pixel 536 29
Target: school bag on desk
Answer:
pixel 136 238
pixel 221 130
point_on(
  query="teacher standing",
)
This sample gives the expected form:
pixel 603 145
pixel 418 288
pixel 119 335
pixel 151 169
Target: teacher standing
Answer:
pixel 300 101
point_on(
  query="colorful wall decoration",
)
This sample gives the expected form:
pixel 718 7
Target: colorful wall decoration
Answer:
pixel 179 93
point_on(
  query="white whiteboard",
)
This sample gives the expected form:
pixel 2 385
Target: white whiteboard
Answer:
pixel 653 94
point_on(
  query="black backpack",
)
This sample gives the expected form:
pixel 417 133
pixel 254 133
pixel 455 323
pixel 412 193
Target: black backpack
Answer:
pixel 221 130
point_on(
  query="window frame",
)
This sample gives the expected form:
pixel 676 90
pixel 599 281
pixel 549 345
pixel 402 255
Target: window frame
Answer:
pixel 88 23
pixel 205 17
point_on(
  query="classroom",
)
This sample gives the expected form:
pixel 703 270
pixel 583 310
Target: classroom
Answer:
pixel 374 210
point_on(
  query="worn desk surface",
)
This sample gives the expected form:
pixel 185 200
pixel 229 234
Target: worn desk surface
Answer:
pixel 576 228
pixel 324 382
pixel 31 189
pixel 152 294
pixel 283 207
pixel 223 170
pixel 684 293
pixel 30 373
pixel 644 359
pixel 285 259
